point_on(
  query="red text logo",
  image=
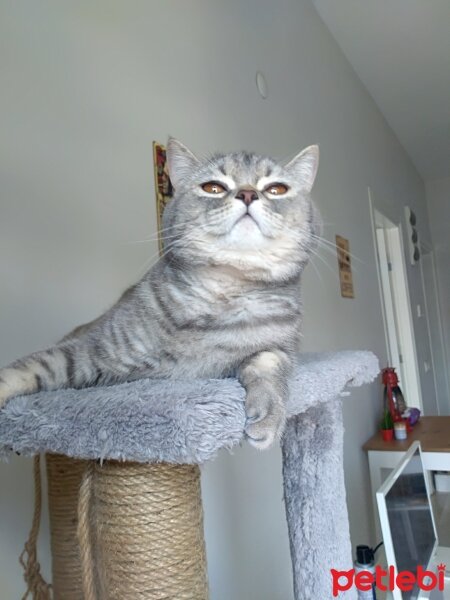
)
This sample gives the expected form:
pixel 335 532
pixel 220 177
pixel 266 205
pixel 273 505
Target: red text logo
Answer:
pixel 388 579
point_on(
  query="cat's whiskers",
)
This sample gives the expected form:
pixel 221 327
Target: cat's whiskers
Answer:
pixel 320 246
pixel 273 220
pixel 316 270
pixel 332 251
pixel 315 254
pixel 162 233
pixel 217 221
pixel 156 238
pixel 325 244
pixel 158 233
pixel 219 215
pixel 149 261
pixel 332 246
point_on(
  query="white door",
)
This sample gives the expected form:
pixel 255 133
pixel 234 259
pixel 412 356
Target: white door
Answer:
pixel 392 337
pixel 397 312
pixel 432 315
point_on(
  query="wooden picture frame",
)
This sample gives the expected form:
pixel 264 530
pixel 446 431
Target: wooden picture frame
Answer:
pixel 163 186
pixel 345 267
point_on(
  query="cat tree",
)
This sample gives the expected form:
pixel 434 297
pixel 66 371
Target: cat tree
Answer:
pixel 124 480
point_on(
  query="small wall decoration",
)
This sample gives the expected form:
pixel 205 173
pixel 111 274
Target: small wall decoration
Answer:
pixel 412 235
pixel 163 185
pixel 345 267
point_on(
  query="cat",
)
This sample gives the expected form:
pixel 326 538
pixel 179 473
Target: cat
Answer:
pixel 224 300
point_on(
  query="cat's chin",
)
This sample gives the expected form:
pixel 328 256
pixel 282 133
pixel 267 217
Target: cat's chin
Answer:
pixel 254 266
pixel 246 231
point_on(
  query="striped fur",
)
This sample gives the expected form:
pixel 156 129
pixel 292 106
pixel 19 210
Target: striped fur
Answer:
pixel 224 300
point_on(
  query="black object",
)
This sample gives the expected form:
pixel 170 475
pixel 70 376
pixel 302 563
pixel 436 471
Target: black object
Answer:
pixel 365 555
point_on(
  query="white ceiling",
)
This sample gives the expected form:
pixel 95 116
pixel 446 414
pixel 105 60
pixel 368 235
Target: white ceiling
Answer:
pixel 400 49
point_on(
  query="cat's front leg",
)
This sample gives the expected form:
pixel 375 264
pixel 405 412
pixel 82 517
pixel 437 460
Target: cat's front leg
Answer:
pixel 14 382
pixel 265 379
pixel 73 363
pixel 46 369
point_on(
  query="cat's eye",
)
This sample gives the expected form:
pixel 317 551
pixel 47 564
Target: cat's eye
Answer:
pixel 277 189
pixel 213 187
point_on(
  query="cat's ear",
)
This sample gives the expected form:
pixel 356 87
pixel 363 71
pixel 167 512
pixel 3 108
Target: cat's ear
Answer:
pixel 180 161
pixel 304 167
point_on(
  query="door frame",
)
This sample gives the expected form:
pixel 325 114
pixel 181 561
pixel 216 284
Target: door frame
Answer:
pixel 395 302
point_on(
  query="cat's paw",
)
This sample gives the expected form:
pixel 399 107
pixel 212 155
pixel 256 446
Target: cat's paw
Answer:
pixel 5 394
pixel 12 383
pixel 266 417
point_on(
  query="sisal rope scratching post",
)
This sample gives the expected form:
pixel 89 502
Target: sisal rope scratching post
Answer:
pixel 37 588
pixel 126 530
pixel 120 530
pixel 64 478
pixel 147 523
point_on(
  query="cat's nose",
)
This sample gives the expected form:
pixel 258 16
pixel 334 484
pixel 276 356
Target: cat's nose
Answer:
pixel 247 196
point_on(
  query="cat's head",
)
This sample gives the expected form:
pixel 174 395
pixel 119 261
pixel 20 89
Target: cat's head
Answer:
pixel 242 210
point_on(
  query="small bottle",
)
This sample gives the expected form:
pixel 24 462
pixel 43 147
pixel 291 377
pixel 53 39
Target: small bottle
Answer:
pixel 365 561
pixel 400 430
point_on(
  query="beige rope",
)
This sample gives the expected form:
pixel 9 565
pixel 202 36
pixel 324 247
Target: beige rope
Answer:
pixel 84 533
pixel 138 528
pixel 36 585
pixel 64 478
pixel 149 532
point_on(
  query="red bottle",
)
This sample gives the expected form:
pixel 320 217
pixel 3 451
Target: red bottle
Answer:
pixel 394 400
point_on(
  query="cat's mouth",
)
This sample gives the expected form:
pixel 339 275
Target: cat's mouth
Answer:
pixel 247 218
pixel 248 225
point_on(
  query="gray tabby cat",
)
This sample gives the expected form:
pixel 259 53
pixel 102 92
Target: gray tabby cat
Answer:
pixel 224 300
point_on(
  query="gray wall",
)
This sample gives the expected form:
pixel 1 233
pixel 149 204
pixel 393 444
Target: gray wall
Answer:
pixel 86 87
pixel 438 199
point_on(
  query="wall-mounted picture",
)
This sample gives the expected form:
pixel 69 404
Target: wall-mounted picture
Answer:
pixel 345 267
pixel 163 185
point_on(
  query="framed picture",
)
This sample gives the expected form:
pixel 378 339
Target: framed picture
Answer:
pixel 345 267
pixel 163 185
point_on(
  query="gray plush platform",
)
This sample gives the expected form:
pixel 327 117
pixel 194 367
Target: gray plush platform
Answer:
pixel 155 420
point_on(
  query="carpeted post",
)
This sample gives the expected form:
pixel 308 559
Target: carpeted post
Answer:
pixel 314 495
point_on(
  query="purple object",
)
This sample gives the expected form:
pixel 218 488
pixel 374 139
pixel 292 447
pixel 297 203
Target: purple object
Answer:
pixel 413 415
